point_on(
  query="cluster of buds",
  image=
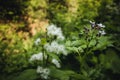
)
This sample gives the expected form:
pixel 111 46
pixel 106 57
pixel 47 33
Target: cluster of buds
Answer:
pixel 100 27
pixel 97 27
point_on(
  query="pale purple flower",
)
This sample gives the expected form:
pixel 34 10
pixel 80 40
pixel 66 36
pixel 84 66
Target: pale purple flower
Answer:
pixel 102 32
pixel 101 25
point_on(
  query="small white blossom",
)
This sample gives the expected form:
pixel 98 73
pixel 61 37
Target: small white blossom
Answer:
pixel 55 47
pixel 54 61
pixel 60 37
pixel 37 41
pixel 102 32
pixel 101 25
pixel 44 76
pixel 44 72
pixel 52 30
pixel 39 69
pixel 38 56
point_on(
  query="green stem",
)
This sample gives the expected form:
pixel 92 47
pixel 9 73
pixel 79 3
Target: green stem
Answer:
pixel 43 57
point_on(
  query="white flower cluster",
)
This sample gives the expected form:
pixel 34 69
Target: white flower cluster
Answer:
pixel 54 61
pixel 52 30
pixel 38 56
pixel 55 47
pixel 37 41
pixel 44 72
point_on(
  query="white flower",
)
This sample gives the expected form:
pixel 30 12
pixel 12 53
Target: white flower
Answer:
pixel 52 30
pixel 37 41
pixel 101 25
pixel 102 32
pixel 54 61
pixel 38 56
pixel 44 76
pixel 47 47
pixel 39 69
pixel 44 72
pixel 60 37
pixel 55 47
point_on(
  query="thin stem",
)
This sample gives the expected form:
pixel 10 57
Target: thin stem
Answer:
pixel 43 57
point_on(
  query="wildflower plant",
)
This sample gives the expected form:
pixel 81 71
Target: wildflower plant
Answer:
pixel 50 47
pixel 92 41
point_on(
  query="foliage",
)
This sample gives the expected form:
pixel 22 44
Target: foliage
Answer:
pixel 13 50
pixel 92 50
pixel 29 74
pixel 37 9
pixel 87 48
pixel 111 12
pixel 70 14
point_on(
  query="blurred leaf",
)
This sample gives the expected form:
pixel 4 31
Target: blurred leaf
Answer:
pixel 61 74
pixel 92 43
pixel 29 74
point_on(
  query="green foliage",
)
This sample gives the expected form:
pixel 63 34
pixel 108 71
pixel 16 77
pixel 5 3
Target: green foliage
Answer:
pixel 111 12
pixel 110 60
pixel 91 55
pixel 37 9
pixel 87 49
pixel 26 74
pixel 13 50
pixel 70 14
pixel 57 74
pixel 29 74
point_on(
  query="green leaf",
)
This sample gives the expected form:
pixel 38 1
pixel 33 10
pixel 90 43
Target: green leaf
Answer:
pixel 61 74
pixel 84 46
pixel 76 43
pixel 73 49
pixel 29 74
pixel 80 49
pixel 53 55
pixel 92 43
pixel 103 43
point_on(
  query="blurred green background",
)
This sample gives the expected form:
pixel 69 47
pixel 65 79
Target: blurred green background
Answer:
pixel 22 21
